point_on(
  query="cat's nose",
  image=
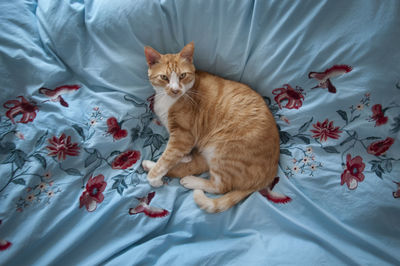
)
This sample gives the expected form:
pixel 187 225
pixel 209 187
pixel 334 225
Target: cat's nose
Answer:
pixel 175 91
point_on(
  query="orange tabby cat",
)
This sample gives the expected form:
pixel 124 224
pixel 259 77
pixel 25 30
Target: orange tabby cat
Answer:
pixel 215 125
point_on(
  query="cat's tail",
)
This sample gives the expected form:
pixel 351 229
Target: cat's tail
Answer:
pixel 222 203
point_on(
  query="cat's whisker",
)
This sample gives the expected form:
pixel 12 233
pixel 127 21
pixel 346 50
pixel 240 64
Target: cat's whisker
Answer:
pixel 195 94
pixel 190 98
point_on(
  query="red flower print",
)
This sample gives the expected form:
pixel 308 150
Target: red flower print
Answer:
pixel 126 159
pixel 325 130
pixel 273 196
pixel 150 211
pixel 396 194
pixel 27 109
pixel 293 96
pixel 61 147
pixel 323 78
pixel 55 94
pixel 19 135
pixel 4 244
pixel 379 147
pixel 151 102
pixel 378 115
pixel 114 128
pixel 93 193
pixel 353 172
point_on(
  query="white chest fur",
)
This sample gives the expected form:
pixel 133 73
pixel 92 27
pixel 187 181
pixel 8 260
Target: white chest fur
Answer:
pixel 162 103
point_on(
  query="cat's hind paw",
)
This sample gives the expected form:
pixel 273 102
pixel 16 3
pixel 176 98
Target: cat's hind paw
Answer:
pixel 191 182
pixel 186 159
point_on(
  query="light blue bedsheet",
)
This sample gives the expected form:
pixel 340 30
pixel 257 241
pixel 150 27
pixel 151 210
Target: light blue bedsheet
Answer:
pixel 76 122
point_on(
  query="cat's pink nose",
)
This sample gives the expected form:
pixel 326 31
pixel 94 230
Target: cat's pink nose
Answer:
pixel 175 91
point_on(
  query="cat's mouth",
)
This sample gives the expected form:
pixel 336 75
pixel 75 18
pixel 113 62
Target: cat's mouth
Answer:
pixel 174 93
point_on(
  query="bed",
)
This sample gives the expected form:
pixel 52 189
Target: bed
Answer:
pixel 76 122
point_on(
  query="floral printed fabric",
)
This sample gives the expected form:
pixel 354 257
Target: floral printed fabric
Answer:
pixel 76 122
pixel 329 131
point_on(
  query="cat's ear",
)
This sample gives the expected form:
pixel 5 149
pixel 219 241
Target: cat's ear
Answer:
pixel 187 52
pixel 152 56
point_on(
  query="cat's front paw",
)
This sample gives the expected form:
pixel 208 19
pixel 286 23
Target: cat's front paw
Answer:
pixel 148 165
pixel 155 182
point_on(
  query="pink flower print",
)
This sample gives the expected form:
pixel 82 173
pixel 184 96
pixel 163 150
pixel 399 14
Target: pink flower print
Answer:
pixel 61 147
pixel 150 211
pixel 274 196
pixel 380 147
pixel 396 194
pixel 353 172
pixel 25 108
pixel 325 130
pixel 293 96
pixel 126 159
pixel 114 128
pixel 55 94
pixel 19 135
pixel 378 115
pixel 93 193
pixel 4 244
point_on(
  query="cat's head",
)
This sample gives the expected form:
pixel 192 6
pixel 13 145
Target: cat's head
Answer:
pixel 173 74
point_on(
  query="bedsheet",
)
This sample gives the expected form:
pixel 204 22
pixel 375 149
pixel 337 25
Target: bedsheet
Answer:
pixel 76 121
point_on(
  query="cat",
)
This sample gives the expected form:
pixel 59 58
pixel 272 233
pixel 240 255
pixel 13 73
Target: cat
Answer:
pixel 215 125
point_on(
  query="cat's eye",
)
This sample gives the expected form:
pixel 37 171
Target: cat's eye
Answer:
pixel 182 76
pixel 164 77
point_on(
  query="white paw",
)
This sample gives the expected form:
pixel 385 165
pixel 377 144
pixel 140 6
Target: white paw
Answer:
pixel 191 182
pixel 155 182
pixel 186 158
pixel 148 165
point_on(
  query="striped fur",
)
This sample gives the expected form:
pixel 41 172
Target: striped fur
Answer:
pixel 224 125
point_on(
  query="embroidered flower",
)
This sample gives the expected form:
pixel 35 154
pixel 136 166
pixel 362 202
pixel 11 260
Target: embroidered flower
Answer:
pixel 50 193
pixel 93 193
pixel 19 135
pixel 55 94
pixel 114 128
pixel 4 244
pixel 150 211
pixel 47 175
pixel 353 172
pixel 284 118
pixel 359 107
pixel 151 102
pixel 295 168
pixel 61 147
pixel 313 167
pixel 305 160
pixel 126 159
pixel 25 108
pixel 30 197
pixel 293 96
pixel 325 130
pixel 379 147
pixel 378 115
pixel 42 186
pixel 309 150
pixel 396 194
